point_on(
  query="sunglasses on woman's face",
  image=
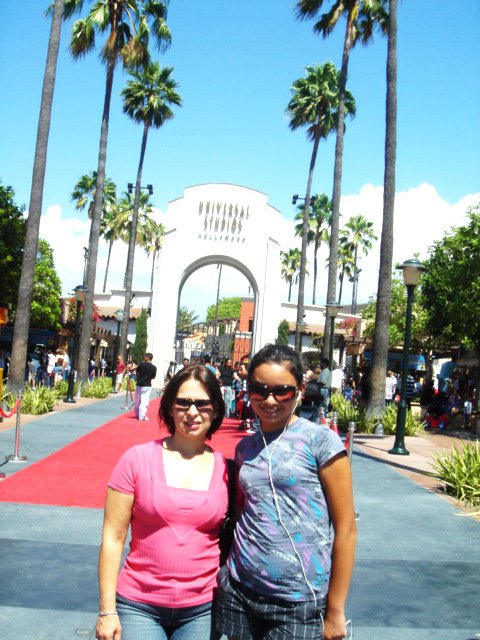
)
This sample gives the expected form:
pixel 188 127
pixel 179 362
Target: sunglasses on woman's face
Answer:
pixel 186 403
pixel 281 392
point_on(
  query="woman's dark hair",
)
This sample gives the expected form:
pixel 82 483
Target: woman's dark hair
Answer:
pixel 208 381
pixel 279 354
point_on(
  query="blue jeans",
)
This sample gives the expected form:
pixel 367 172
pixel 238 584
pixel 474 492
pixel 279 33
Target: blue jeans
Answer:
pixel 229 397
pixel 147 622
pixel 325 398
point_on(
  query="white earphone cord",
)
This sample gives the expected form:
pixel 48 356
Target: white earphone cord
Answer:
pixel 277 508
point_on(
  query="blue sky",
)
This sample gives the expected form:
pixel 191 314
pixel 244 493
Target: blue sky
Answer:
pixel 235 63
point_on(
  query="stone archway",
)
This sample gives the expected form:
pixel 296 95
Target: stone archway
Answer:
pixel 218 224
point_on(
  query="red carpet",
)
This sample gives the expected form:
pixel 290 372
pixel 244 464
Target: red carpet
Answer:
pixel 77 475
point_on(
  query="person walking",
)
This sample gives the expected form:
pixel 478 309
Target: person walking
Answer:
pixel 227 378
pixel 325 383
pixel 172 493
pixel 390 387
pixel 120 367
pixel 410 389
pixel 145 373
pixel 285 577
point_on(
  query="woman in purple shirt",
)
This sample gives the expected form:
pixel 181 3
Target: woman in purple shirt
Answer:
pixel 287 576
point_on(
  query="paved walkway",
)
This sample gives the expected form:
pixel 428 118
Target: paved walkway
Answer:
pixel 418 556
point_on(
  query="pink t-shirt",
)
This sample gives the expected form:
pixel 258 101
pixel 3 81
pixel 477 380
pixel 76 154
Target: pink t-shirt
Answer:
pixel 174 554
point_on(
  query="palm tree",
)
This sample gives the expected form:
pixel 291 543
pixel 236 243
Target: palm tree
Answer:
pixel 361 18
pixel 345 262
pixel 186 318
pixel 382 317
pixel 360 236
pixel 128 26
pixel 113 227
pixel 16 378
pixel 318 232
pixel 151 240
pixel 84 193
pixel 290 267
pixel 314 104
pixel 147 99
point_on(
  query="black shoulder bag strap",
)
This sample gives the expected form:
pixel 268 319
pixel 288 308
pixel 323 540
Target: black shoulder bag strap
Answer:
pixel 227 531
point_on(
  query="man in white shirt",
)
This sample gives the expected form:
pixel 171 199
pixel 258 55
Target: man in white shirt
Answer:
pixel 325 383
pixel 390 387
pixel 337 379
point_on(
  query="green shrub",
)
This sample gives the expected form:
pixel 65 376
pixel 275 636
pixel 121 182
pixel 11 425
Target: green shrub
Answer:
pixel 348 413
pixel 413 426
pixel 61 388
pixel 98 388
pixel 34 401
pixel 459 469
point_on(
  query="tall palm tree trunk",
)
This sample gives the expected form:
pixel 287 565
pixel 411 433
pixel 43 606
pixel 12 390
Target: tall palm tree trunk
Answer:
pixel 315 268
pixel 337 186
pixel 303 258
pixel 355 281
pixel 84 343
pixel 131 249
pixel 16 378
pixel 340 291
pixel 154 258
pixel 376 404
pixel 110 245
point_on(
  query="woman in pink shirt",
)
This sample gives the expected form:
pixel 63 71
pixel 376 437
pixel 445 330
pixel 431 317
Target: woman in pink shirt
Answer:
pixel 173 495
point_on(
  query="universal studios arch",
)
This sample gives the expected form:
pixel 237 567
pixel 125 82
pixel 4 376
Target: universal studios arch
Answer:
pixel 218 224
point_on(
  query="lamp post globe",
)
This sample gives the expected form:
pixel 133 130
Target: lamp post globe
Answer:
pixel 412 271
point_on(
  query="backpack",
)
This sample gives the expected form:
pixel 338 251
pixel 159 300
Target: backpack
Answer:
pixel 312 391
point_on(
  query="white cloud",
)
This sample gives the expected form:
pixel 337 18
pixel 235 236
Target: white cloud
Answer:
pixel 421 217
pixel 68 237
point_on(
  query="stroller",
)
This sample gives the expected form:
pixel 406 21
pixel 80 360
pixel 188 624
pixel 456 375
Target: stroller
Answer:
pixel 436 416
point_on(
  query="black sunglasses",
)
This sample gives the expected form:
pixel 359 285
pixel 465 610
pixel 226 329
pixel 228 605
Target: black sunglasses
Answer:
pixel 186 403
pixel 281 392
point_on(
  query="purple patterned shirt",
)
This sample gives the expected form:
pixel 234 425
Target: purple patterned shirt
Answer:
pixel 263 557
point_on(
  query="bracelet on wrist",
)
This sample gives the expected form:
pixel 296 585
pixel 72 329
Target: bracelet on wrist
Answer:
pixel 103 614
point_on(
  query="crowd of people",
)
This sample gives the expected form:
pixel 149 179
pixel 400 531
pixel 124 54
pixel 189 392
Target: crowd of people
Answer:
pixel 449 394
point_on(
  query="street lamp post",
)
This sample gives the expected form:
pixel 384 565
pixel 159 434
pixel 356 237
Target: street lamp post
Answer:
pixel 149 188
pixel 119 318
pixel 80 294
pixel 333 308
pixel 412 270
pixel 85 263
